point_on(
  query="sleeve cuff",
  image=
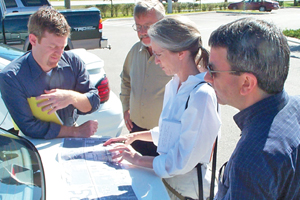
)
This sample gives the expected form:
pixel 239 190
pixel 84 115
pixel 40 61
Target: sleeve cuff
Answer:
pixel 155 135
pixel 159 166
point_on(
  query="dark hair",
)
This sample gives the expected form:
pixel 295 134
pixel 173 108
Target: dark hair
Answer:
pixel 177 34
pixel 258 47
pixel 48 19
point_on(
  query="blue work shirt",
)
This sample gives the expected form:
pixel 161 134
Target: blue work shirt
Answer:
pixel 24 78
pixel 266 161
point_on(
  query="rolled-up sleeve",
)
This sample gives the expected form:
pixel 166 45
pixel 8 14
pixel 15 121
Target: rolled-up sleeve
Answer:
pixel 83 85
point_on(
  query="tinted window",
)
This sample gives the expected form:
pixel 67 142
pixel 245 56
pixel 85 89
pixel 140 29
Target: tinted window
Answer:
pixel 35 2
pixel 10 3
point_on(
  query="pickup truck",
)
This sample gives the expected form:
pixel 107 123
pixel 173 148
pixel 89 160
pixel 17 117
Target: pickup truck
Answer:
pixel 86 28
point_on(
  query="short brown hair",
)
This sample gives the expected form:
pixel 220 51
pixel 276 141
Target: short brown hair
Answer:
pixel 48 19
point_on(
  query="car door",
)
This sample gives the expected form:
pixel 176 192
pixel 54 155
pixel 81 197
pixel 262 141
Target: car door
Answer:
pixel 256 4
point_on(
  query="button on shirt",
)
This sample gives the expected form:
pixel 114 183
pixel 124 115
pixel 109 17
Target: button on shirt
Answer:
pixel 24 78
pixel 266 161
pixel 142 87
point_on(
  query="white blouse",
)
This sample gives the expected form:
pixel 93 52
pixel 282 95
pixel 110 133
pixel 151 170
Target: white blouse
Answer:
pixel 193 129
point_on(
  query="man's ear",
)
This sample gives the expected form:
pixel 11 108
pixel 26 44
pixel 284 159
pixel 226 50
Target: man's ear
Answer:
pixel 249 83
pixel 33 39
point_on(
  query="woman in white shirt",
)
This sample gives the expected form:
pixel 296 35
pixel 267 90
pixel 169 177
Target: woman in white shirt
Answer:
pixel 189 122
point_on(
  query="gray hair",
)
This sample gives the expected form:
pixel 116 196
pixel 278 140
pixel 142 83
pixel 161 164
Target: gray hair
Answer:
pixel 257 47
pixel 143 7
pixel 177 34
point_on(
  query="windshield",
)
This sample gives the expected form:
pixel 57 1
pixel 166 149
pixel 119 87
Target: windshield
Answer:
pixel 21 173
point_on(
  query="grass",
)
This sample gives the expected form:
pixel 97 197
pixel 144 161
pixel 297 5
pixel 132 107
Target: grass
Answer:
pixel 292 33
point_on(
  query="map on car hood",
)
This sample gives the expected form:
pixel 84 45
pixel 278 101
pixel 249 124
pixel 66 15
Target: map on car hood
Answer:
pixel 90 173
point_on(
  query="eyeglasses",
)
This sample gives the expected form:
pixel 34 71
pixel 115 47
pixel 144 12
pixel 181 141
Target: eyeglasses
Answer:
pixel 212 72
pixel 139 27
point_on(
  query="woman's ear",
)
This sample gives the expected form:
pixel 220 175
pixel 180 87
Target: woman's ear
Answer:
pixel 182 55
pixel 249 83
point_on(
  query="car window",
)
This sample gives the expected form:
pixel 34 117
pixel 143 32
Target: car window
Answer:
pixel 35 2
pixel 10 3
pixel 21 172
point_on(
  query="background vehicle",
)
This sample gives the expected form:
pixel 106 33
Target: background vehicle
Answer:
pixel 261 5
pixel 109 114
pixel 167 1
pixel 86 26
pixel 24 5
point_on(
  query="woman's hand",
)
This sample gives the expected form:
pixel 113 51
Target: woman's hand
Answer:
pixel 127 140
pixel 125 152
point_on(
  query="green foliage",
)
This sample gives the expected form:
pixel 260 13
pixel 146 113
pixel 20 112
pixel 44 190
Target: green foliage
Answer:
pixel 127 9
pixel 210 6
pixel 104 9
pixel 289 3
pixel 190 6
pixel 116 8
pixel 292 33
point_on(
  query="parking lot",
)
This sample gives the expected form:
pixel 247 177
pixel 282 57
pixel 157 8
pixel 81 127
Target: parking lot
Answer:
pixel 121 37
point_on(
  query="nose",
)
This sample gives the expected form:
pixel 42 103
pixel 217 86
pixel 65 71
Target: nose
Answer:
pixel 157 61
pixel 208 78
pixel 59 50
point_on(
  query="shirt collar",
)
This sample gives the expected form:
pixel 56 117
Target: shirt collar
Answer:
pixel 35 68
pixel 264 108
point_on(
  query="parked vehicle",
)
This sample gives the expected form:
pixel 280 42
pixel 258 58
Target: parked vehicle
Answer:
pixel 86 25
pixel 109 115
pixel 261 5
pixel 24 5
pixel 35 169
pixel 167 1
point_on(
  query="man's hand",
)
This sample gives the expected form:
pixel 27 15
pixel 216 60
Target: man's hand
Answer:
pixel 127 120
pixel 57 99
pixel 85 130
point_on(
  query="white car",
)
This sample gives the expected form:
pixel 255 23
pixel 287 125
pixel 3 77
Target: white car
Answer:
pixel 109 115
pixel 69 169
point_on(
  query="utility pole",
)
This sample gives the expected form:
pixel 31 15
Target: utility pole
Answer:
pixel 170 6
pixel 67 4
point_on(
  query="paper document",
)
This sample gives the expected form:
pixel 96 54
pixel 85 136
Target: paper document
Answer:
pixel 39 114
pixel 90 173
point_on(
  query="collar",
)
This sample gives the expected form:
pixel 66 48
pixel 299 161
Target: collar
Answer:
pixel 142 47
pixel 35 68
pixel 261 110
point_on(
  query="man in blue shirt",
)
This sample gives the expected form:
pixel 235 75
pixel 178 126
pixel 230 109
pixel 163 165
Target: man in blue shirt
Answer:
pixel 50 74
pixel 248 66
